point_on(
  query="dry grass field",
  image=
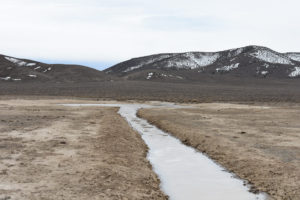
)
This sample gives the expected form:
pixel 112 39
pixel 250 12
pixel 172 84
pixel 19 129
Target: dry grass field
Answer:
pixel 260 143
pixel 49 151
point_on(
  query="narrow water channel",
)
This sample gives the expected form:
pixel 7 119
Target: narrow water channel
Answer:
pixel 185 173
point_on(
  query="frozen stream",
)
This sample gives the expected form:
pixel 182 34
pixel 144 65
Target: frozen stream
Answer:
pixel 184 172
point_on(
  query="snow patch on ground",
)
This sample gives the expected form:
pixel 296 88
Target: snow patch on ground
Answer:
pixel 264 72
pixel 37 68
pixel 149 75
pixel 32 75
pixel 48 69
pixel 294 56
pixel 271 57
pixel 228 68
pixel 171 76
pixel 266 65
pixel 6 78
pixel 9 78
pixel 295 73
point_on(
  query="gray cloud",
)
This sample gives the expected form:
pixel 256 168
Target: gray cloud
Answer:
pixel 182 23
pixel 114 30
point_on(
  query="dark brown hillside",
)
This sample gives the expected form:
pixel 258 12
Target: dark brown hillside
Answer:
pixel 23 70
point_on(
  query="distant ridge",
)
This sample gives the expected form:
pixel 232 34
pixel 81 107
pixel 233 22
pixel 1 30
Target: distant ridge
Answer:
pixel 249 61
pixel 22 70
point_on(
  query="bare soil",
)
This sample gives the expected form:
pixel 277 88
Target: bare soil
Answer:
pixel 48 151
pixel 259 143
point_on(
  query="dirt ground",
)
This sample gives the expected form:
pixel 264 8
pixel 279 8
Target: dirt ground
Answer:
pixel 260 144
pixel 48 151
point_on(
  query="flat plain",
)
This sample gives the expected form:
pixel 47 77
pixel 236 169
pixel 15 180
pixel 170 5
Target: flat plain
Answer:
pixel 259 143
pixel 49 151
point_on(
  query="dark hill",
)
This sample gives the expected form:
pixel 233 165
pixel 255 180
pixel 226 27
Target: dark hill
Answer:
pixel 245 62
pixel 23 70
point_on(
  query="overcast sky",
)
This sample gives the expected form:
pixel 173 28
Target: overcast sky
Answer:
pixel 100 33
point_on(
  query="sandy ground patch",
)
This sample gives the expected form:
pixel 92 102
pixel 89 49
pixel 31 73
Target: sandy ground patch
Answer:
pixel 258 143
pixel 55 152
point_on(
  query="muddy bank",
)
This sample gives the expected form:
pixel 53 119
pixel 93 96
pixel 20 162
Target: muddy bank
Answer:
pixel 53 152
pixel 259 144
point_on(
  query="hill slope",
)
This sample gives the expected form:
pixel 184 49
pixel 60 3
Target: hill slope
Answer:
pixel 250 61
pixel 23 70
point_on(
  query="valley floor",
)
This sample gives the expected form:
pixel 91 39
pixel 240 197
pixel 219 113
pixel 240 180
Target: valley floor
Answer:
pixel 259 143
pixel 48 151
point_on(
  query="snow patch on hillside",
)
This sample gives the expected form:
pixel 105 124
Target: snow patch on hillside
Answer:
pixel 264 72
pixel 271 57
pixel 6 78
pixel 202 60
pixel 235 52
pixel 18 62
pixel 147 62
pixel 295 73
pixel 192 60
pixel 171 76
pixel 228 68
pixel 266 65
pixel 294 56
pixel 30 64
pixel 188 60
pixel 149 75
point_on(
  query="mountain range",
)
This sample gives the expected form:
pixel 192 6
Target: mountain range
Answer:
pixel 245 62
pixel 23 70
